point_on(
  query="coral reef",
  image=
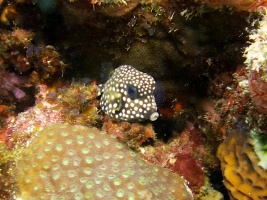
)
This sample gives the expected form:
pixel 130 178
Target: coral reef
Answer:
pixel 4 114
pixel 230 103
pixel 64 103
pixel 246 5
pixel 209 193
pixel 240 105
pixel 23 65
pixel 180 156
pixel 15 88
pixel 257 88
pixel 46 61
pixel 192 49
pixel 155 37
pixel 256 62
pixel 7 171
pixel 13 45
pixel 77 162
pixel 243 152
pixel 134 134
pixel 259 145
pixel 243 177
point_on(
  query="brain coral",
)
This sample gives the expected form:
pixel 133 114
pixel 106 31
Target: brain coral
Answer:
pixel 243 177
pixel 76 162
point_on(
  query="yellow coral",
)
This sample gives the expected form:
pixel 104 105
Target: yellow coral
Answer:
pixel 243 177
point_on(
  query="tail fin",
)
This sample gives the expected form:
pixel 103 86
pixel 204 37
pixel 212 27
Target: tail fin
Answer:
pixel 106 71
pixel 159 94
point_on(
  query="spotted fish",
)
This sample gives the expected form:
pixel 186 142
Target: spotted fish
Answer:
pixel 129 95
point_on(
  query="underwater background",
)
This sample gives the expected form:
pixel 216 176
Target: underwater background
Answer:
pixel 133 99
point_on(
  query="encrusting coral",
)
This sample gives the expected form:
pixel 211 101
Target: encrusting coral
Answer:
pixel 76 162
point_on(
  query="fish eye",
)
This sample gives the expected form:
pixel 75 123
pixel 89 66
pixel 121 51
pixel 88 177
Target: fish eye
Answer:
pixel 132 92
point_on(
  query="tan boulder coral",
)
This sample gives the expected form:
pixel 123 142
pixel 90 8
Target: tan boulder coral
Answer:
pixel 76 162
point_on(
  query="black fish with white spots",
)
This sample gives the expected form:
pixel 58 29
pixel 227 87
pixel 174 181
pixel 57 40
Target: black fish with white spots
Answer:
pixel 129 95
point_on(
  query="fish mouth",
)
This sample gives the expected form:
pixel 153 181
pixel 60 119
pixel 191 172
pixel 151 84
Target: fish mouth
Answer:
pixel 154 116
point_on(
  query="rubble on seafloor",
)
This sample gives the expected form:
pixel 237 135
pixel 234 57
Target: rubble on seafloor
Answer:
pixel 209 56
